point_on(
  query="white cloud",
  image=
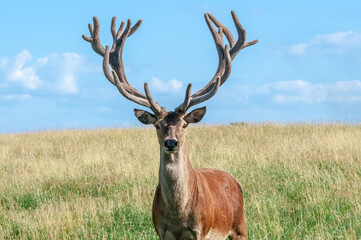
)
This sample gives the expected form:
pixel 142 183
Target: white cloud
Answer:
pixel 307 92
pixel 42 61
pixel 339 43
pixel 3 62
pixel 70 65
pixel 297 49
pixel 19 97
pixel 104 109
pixel 73 59
pixel 26 76
pixel 170 86
pixel 349 39
pixel 56 72
pixel 68 83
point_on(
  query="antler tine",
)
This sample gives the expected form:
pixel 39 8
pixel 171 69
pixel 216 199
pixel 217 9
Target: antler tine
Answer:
pixel 153 104
pixel 121 40
pixel 116 34
pixel 120 30
pixel 226 31
pixel 184 106
pixel 194 100
pixel 135 27
pixel 225 57
pixel 113 57
pixel 94 39
pixel 113 29
pixel 242 36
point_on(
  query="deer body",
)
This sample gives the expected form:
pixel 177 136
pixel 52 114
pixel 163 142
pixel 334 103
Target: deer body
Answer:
pixel 188 203
pixel 196 204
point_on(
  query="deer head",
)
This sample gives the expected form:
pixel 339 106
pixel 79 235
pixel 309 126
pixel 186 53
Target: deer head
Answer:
pixel 170 126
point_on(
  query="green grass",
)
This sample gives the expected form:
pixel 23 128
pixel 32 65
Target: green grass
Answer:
pixel 300 181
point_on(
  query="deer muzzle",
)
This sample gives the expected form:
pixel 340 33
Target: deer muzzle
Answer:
pixel 170 145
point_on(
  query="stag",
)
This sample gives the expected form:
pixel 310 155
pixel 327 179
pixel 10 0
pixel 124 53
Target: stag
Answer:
pixel 188 203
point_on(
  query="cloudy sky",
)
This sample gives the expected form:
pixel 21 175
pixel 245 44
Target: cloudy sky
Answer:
pixel 306 66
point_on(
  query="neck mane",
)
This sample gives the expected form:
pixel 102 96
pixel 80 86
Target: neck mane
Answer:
pixel 176 178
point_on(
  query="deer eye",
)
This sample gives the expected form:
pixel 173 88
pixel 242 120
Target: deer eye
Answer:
pixel 185 125
pixel 156 126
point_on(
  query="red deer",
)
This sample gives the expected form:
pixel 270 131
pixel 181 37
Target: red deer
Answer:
pixel 188 203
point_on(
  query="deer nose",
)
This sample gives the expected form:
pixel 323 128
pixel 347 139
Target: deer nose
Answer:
pixel 170 144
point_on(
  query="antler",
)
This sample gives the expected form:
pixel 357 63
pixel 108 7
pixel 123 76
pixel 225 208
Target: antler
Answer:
pixel 225 57
pixel 114 57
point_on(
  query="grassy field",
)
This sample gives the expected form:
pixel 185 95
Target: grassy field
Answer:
pixel 300 181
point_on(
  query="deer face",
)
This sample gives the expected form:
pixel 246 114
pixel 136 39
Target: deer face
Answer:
pixel 171 128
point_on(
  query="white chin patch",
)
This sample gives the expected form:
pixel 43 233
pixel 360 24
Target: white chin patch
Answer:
pixel 169 152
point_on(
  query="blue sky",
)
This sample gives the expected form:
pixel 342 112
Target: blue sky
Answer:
pixel 306 66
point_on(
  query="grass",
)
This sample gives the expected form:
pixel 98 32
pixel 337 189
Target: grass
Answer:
pixel 300 181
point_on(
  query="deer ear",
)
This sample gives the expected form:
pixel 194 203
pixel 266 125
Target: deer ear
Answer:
pixel 145 117
pixel 196 115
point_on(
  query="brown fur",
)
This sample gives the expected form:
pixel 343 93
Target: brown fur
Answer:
pixel 217 203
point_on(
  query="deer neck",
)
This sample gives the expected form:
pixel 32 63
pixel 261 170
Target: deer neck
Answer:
pixel 176 178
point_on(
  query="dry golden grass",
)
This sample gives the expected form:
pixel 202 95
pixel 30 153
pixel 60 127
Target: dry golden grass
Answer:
pixel 300 181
